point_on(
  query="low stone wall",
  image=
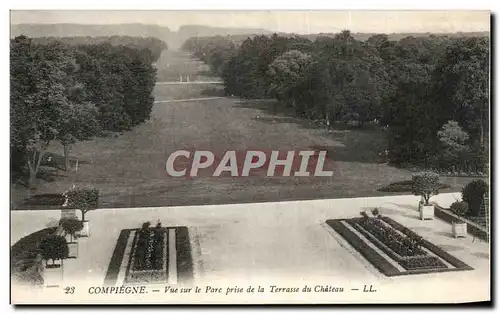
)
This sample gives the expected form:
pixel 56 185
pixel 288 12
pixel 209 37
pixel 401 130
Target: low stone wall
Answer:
pixel 473 228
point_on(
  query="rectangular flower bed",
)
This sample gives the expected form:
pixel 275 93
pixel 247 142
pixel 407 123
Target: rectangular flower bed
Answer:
pixel 142 265
pixel 148 258
pixel 394 249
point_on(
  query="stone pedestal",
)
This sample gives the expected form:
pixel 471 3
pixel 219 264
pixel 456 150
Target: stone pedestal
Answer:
pixel 53 276
pixel 426 212
pixel 459 229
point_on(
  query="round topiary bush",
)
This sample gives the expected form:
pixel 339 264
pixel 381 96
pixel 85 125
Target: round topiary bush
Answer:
pixel 473 193
pixel 71 226
pixel 83 199
pixel 459 208
pixel 54 247
pixel 425 184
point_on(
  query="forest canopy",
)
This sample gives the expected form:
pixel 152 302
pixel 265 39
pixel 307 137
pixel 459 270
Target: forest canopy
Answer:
pixel 425 91
pixel 73 90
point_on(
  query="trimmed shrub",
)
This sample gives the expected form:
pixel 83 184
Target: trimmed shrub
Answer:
pixel 26 264
pixel 459 208
pixel 82 199
pixel 473 193
pixel 71 226
pixel 425 184
pixel 54 247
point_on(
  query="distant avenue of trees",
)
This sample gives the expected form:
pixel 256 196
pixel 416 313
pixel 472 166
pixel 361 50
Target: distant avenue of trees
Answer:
pixel 154 45
pixel 69 90
pixel 432 92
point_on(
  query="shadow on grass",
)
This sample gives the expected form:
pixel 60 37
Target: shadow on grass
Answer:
pixel 53 168
pixel 406 186
pixel 207 73
pixel 365 144
pixel 214 91
pixel 351 151
pixel 57 161
pixel 45 199
pixel 44 174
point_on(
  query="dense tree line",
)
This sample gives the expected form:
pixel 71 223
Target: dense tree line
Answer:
pixel 67 93
pixel 214 51
pixel 431 92
pixel 156 46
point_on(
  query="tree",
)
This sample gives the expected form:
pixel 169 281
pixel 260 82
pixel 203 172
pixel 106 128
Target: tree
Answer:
pixel 453 142
pixel 54 248
pixel 289 78
pixel 78 123
pixel 462 86
pixel 82 199
pixel 20 87
pixel 71 226
pixel 38 112
pixel 425 184
pixel 473 193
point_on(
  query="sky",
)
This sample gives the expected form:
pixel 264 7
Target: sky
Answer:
pixel 301 22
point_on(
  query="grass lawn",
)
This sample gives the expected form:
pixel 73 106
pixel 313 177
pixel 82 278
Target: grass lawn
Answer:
pixel 173 64
pixel 129 169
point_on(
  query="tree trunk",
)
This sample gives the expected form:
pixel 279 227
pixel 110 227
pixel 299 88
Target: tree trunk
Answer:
pixel 66 158
pixel 34 165
pixel 32 179
pixel 83 215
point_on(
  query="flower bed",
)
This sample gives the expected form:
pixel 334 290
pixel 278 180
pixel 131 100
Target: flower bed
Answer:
pixel 427 262
pixel 404 248
pixel 399 245
pixel 184 259
pixel 403 245
pixel 148 256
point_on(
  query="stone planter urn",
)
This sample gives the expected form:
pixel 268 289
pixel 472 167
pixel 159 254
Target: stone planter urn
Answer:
pixel 85 232
pixel 71 227
pixel 73 249
pixel 426 212
pixel 425 184
pixel 459 229
pixel 53 275
pixel 53 248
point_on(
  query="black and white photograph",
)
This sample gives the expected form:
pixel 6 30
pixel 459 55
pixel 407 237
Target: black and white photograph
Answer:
pixel 250 157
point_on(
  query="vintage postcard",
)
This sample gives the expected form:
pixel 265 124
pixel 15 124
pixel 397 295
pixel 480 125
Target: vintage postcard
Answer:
pixel 250 157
